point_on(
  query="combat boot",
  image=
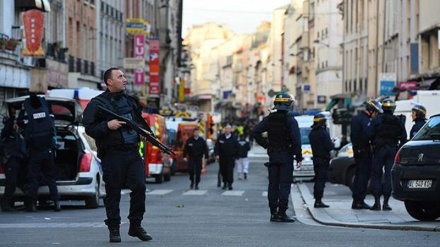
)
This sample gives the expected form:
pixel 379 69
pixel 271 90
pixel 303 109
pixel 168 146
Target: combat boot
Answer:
pixel 385 206
pixel 274 214
pixel 376 205
pixel 32 206
pixel 139 232
pixel 6 207
pixel 320 204
pixel 114 235
pixel 57 206
pixel 282 216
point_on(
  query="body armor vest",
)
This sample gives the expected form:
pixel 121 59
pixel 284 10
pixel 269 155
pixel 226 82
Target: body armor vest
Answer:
pixel 124 109
pixel 278 133
pixel 40 129
pixel 388 131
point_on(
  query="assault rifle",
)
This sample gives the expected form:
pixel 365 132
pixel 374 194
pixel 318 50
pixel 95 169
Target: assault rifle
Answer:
pixel 141 131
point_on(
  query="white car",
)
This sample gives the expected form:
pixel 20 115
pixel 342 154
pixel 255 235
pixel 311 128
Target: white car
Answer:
pixel 78 169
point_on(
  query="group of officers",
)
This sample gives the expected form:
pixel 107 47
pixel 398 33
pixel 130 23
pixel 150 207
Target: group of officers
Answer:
pixel 376 135
pixel 28 142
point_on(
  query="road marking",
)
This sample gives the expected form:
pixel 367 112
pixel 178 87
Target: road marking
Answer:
pixel 159 192
pixel 51 225
pixel 233 193
pixel 195 192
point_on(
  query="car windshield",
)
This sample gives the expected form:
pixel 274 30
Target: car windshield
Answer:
pixel 305 135
pixel 430 131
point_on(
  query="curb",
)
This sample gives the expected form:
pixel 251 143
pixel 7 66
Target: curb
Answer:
pixel 321 216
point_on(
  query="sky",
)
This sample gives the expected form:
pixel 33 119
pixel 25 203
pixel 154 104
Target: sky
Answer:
pixel 241 16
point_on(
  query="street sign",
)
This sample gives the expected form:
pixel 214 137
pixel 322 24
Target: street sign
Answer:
pixel 387 82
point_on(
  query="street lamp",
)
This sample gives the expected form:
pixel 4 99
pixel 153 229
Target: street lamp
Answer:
pixel 317 41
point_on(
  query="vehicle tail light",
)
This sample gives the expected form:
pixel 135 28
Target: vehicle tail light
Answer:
pixel 2 170
pixel 397 158
pixel 86 162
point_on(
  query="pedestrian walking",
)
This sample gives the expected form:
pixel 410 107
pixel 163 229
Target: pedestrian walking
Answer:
pixel 226 152
pixel 321 144
pixel 360 137
pixel 283 145
pixel 194 150
pixel 40 140
pixel 388 135
pixel 118 149
pixel 14 151
pixel 418 114
pixel 242 162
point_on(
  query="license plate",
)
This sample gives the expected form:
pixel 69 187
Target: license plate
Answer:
pixel 419 184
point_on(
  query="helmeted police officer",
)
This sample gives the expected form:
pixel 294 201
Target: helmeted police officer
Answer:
pixel 360 137
pixel 39 135
pixel 14 148
pixel 388 134
pixel 321 144
pixel 283 146
pixel 418 114
pixel 118 150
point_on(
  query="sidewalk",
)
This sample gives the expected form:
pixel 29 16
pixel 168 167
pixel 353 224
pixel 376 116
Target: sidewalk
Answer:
pixel 338 197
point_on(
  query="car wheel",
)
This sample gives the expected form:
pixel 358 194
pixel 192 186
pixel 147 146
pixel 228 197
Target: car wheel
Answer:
pixel 93 201
pixel 159 178
pixel 423 211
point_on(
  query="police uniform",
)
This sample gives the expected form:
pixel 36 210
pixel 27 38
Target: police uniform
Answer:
pixel 321 144
pixel 226 147
pixel 283 145
pixel 195 149
pixel 120 159
pixel 418 124
pixel 389 133
pixel 360 135
pixel 15 153
pixel 39 135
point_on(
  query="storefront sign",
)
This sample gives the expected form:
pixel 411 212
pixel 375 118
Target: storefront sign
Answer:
pixel 139 53
pixel 154 68
pixel 33 21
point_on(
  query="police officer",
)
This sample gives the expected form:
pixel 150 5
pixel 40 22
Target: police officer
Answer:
pixel 388 134
pixel 418 114
pixel 321 146
pixel 226 152
pixel 39 135
pixel 360 137
pixel 118 150
pixel 195 148
pixel 15 153
pixel 283 146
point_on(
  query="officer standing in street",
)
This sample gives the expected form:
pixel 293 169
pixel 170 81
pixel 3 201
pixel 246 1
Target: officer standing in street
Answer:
pixel 283 146
pixel 195 148
pixel 39 135
pixel 118 150
pixel 15 153
pixel 388 134
pixel 418 115
pixel 360 137
pixel 226 151
pixel 321 144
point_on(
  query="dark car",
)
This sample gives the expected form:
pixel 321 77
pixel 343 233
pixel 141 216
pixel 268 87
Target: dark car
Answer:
pixel 416 172
pixel 342 167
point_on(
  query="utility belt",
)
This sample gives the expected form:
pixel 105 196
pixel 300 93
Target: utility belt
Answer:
pixel 125 147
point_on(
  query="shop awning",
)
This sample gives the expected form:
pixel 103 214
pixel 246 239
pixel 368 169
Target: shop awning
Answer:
pixel 42 5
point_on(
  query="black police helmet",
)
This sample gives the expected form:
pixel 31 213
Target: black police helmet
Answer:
pixel 374 106
pixel 319 120
pixel 420 111
pixel 283 101
pixel 388 105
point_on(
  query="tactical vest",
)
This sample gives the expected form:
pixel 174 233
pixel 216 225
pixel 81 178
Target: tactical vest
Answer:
pixel 40 130
pixel 388 131
pixel 278 132
pixel 124 109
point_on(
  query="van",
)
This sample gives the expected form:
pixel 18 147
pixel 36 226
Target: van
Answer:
pixel 157 163
pixel 181 131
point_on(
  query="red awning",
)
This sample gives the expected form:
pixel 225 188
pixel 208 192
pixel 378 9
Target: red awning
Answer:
pixel 407 85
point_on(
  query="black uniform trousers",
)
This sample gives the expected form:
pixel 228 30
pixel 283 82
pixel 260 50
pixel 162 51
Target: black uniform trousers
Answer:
pixel 227 164
pixel 320 166
pixel 42 171
pixel 383 159
pixel 195 169
pixel 123 168
pixel 280 170
pixel 13 176
pixel 363 162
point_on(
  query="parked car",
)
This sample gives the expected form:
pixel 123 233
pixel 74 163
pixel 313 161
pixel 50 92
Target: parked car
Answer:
pixel 342 167
pixel 79 172
pixel 416 172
